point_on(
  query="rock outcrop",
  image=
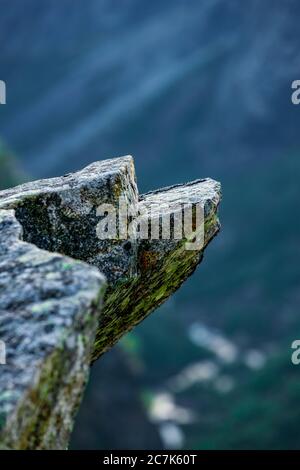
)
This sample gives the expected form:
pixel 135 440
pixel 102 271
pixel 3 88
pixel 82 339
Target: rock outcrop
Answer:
pixel 74 279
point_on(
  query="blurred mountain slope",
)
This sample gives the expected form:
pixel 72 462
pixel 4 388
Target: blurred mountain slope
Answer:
pixel 99 80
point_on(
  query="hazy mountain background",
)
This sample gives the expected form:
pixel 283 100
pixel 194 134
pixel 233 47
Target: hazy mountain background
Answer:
pixel 191 89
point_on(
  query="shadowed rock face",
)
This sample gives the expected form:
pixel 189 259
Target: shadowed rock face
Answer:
pixel 53 267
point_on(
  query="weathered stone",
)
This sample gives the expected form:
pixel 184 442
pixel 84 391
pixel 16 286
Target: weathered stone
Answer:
pixel 50 299
pixel 48 314
pixel 59 214
pixel 162 265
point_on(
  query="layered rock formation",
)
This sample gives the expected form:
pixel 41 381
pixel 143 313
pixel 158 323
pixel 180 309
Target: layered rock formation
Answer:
pixel 70 287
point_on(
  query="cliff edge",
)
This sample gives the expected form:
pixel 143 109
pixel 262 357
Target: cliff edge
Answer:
pixel 83 259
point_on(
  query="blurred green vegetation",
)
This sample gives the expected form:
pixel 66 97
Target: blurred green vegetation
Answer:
pixel 10 173
pixel 263 413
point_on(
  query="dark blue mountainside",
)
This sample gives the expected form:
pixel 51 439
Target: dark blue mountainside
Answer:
pixel 191 89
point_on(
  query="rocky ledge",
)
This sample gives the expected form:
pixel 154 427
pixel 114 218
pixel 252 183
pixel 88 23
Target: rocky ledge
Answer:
pixel 83 259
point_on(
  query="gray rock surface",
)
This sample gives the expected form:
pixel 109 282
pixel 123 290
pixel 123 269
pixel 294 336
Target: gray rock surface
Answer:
pixel 161 265
pixel 59 214
pixel 53 267
pixel 49 306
